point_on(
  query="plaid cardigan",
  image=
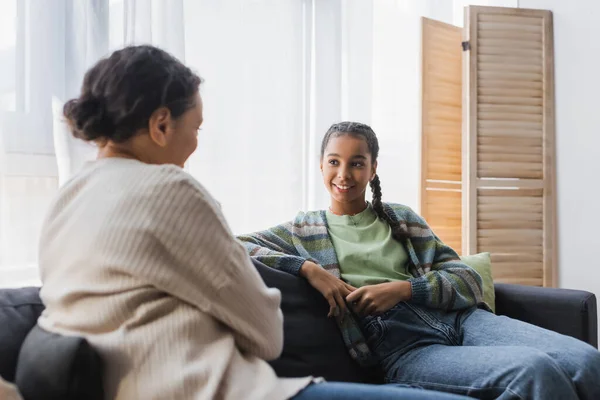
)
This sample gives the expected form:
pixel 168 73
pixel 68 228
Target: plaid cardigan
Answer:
pixel 440 280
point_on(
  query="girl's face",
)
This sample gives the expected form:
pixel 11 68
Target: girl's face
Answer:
pixel 347 168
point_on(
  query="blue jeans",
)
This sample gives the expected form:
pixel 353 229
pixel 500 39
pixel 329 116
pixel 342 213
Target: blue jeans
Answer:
pixel 357 391
pixel 476 353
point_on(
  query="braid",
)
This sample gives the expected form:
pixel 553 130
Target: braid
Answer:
pixel 376 189
pixel 397 232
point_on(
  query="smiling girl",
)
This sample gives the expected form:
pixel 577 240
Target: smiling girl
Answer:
pixel 404 300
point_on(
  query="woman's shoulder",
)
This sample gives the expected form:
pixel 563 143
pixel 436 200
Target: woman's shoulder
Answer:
pixel 175 188
pixel 162 183
pixel 176 180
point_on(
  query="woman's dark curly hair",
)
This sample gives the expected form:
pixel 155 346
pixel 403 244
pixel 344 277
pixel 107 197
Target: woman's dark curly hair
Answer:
pixel 120 93
pixel 365 132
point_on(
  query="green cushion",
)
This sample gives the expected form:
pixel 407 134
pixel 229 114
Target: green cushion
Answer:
pixel 482 263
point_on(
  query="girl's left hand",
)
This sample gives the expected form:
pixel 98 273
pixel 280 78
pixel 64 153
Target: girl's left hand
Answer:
pixel 377 299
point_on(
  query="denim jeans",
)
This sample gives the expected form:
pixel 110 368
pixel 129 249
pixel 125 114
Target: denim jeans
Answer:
pixel 357 391
pixel 476 353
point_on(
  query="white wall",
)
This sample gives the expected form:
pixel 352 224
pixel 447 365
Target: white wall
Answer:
pixel 577 62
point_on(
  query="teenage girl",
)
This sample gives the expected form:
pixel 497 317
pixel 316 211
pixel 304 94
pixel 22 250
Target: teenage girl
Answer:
pixel 405 300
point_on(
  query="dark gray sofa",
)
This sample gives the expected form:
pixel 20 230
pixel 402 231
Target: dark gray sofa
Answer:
pixel 313 345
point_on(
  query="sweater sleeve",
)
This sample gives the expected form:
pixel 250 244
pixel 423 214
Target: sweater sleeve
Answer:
pixel 450 284
pixel 274 247
pixel 204 265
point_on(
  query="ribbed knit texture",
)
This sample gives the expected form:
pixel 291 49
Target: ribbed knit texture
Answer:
pixel 138 259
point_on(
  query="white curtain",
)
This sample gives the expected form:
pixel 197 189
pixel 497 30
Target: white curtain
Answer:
pixel 37 63
pixel 277 74
pixel 44 53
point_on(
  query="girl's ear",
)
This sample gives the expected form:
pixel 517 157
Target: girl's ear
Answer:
pixel 321 165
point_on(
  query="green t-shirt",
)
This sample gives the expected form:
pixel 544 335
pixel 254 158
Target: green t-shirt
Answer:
pixel 366 251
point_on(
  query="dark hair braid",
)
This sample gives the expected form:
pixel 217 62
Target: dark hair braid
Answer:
pixel 365 132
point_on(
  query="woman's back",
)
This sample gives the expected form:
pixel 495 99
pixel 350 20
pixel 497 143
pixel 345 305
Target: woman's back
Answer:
pixel 137 258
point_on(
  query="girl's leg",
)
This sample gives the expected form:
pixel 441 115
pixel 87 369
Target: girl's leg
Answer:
pixel 422 347
pixel 578 360
pixel 498 372
pixel 357 391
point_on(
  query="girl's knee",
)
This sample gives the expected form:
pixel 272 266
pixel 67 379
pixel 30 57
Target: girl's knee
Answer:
pixel 590 360
pixel 535 364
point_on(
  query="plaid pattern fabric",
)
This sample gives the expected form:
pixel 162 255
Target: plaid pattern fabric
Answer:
pixel 440 280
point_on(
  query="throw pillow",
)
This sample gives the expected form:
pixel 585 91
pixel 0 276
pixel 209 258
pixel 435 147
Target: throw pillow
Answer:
pixel 19 311
pixel 482 263
pixel 53 366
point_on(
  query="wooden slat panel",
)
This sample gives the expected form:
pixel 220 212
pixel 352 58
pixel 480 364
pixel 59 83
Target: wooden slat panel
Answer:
pixel 491 50
pixel 510 227
pixel 519 125
pixel 508 171
pixel 510 92
pixel 511 27
pixel 490 83
pixel 500 75
pixel 498 249
pixel 508 59
pixel 509 141
pixel 520 270
pixel 512 19
pixel 515 223
pixel 441 130
pixel 511 116
pixel 510 133
pixel 512 67
pixel 492 108
pixel 506 100
pixel 526 208
pixel 511 44
pixel 502 34
pixel 509 137
pixel 516 257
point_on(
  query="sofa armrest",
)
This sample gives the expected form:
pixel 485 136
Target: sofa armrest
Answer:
pixel 566 311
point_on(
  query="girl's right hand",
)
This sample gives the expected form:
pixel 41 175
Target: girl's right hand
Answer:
pixel 333 289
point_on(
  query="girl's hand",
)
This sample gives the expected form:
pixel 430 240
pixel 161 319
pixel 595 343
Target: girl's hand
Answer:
pixel 333 289
pixel 377 299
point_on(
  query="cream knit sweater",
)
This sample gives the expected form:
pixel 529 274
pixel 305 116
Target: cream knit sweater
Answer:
pixel 138 259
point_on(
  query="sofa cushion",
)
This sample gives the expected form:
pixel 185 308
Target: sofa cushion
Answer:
pixel 482 263
pixel 313 344
pixel 19 311
pixel 53 366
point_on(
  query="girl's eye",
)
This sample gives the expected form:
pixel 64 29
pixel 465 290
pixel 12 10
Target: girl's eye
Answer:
pixel 357 164
pixel 333 162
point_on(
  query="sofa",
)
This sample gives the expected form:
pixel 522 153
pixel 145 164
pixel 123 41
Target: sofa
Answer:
pixel 312 344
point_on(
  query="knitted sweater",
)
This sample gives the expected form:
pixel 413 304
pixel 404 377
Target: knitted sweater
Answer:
pixel 440 280
pixel 139 260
